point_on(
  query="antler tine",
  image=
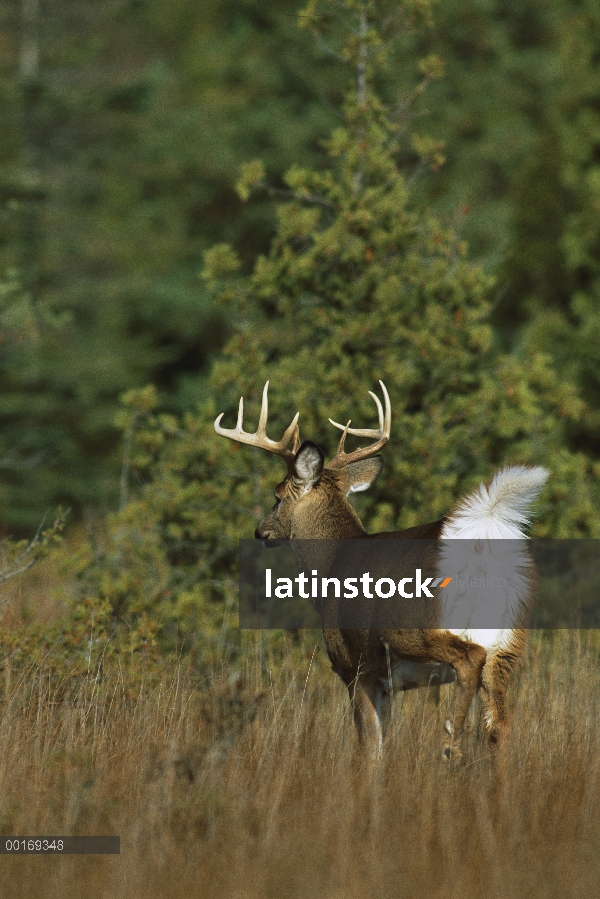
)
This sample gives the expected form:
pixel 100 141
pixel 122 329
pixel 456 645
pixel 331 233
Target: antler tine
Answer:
pixel 259 438
pixel 264 412
pixel 372 432
pixel 363 432
pixel 381 434
pixel 345 429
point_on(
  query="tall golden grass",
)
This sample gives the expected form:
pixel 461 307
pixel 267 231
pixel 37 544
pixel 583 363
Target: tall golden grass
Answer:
pixel 244 784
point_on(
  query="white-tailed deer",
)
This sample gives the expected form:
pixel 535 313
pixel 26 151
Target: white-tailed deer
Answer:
pixel 311 504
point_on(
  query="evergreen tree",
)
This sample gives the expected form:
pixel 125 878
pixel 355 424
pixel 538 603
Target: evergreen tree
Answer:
pixel 359 284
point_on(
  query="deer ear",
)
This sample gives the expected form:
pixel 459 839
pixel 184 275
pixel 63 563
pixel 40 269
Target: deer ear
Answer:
pixel 360 475
pixel 308 464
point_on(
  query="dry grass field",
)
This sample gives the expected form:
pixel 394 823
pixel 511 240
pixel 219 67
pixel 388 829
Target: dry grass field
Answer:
pixel 243 785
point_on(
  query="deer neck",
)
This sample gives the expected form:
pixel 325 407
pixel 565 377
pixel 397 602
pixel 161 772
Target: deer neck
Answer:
pixel 317 530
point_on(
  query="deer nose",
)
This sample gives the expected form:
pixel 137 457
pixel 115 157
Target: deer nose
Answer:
pixel 258 534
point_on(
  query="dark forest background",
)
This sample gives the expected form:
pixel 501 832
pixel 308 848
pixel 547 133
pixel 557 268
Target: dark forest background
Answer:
pixel 124 125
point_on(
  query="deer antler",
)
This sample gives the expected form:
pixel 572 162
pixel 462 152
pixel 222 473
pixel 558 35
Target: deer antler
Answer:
pixel 382 434
pixel 260 439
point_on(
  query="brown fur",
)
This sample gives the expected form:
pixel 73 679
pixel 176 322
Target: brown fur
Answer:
pixel 362 657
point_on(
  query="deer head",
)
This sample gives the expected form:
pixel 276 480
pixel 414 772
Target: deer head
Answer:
pixel 310 503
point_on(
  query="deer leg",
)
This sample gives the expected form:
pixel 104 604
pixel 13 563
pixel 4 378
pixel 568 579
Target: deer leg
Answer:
pixel 468 660
pixel 492 694
pixel 368 705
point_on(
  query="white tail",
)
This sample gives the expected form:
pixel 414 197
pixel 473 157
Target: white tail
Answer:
pixel 500 511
